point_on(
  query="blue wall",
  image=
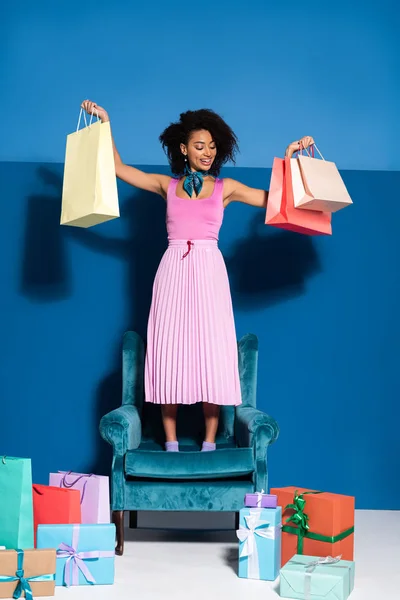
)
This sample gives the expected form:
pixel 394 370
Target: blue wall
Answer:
pixel 275 70
pixel 325 310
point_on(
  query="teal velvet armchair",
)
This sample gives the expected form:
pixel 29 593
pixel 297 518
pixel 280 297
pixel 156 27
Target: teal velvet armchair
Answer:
pixel 145 477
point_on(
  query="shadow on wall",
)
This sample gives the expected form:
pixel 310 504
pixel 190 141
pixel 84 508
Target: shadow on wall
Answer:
pixel 45 273
pixel 270 265
pixel 266 267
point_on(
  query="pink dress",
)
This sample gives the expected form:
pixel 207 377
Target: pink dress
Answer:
pixel 191 340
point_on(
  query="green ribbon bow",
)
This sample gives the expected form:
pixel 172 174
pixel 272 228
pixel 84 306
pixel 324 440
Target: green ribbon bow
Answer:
pixel 301 519
pixel 23 585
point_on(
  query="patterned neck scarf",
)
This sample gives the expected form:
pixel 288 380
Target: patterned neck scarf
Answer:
pixel 193 181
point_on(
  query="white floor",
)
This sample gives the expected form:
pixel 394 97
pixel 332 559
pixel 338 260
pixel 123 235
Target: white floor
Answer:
pixel 201 565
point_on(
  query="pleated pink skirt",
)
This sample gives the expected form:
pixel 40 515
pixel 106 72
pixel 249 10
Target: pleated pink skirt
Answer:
pixel 191 339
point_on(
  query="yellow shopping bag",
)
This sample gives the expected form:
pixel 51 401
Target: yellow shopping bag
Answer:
pixel 90 194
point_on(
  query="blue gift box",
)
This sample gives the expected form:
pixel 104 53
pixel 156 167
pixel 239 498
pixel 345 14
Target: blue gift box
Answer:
pixel 85 553
pixel 310 577
pixel 259 536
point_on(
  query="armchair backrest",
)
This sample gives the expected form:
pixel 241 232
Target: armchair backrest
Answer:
pixel 190 418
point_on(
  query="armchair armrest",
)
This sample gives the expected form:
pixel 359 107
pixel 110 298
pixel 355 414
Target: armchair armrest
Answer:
pixel 256 429
pixel 248 424
pixel 122 428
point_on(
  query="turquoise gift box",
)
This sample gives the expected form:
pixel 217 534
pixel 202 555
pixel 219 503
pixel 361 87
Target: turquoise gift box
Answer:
pixel 259 536
pixel 313 578
pixel 85 553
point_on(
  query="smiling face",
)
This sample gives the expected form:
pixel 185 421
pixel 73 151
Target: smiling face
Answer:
pixel 200 150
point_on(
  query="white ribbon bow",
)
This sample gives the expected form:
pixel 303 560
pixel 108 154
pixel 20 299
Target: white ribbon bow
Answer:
pixel 254 526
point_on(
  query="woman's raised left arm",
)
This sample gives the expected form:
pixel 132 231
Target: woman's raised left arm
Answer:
pixel 234 191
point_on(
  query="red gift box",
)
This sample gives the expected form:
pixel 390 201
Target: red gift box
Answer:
pixel 54 505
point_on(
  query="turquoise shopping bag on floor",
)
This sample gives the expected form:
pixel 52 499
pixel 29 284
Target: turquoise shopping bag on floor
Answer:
pixel 16 506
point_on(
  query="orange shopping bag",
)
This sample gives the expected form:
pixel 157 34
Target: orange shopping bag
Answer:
pixel 281 211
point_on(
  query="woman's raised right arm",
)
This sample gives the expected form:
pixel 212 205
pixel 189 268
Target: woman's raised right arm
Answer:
pixel 151 182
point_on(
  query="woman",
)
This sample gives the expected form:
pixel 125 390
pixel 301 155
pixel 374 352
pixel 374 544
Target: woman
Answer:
pixel 191 341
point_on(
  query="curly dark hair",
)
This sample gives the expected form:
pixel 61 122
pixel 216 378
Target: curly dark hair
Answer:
pixel 194 120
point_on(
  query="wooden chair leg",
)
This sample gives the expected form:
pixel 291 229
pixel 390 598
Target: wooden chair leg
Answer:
pixel 133 518
pixel 237 518
pixel 118 519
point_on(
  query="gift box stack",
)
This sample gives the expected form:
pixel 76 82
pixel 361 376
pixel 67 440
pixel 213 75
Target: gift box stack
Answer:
pixel 259 536
pixel 304 192
pixel 53 535
pixel 306 536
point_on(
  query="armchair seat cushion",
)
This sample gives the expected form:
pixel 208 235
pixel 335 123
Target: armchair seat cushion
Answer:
pixel 218 464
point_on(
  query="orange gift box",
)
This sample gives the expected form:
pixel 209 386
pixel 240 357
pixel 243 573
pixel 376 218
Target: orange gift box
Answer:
pixel 327 516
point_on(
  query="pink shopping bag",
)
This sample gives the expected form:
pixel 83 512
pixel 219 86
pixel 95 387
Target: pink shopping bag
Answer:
pixel 281 211
pixel 322 185
pixel 95 493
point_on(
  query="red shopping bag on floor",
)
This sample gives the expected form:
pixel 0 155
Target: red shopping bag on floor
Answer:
pixel 281 211
pixel 54 505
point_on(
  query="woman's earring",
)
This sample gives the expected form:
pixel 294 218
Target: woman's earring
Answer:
pixel 185 158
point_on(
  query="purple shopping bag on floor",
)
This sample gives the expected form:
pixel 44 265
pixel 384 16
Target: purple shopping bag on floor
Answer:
pixel 95 493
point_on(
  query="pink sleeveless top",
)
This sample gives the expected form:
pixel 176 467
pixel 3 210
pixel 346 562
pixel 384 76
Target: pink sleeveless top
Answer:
pixel 194 219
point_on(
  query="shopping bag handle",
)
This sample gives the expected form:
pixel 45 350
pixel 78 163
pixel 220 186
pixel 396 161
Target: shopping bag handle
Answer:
pixel 82 112
pixel 314 145
pixel 71 484
pixel 302 149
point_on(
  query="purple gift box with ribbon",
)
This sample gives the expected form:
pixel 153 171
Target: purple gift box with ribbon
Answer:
pixel 85 553
pixel 261 500
pixel 95 493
